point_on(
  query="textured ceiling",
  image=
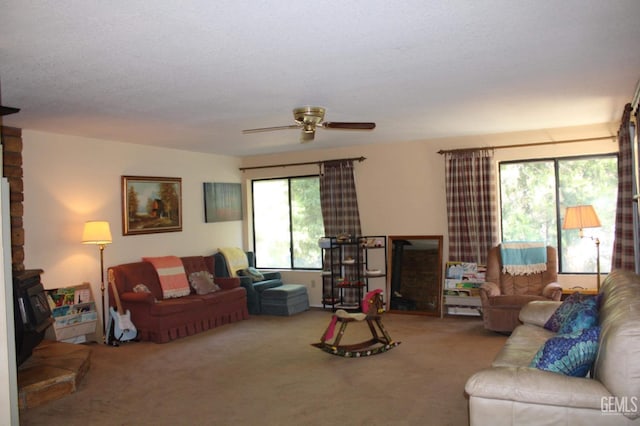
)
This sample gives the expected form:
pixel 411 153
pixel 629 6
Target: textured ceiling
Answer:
pixel 192 74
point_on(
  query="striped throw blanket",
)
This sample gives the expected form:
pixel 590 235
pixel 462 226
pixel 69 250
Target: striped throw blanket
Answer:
pixel 236 259
pixel 523 258
pixel 173 278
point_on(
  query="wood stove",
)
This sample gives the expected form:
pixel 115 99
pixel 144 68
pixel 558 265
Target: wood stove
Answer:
pixel 31 312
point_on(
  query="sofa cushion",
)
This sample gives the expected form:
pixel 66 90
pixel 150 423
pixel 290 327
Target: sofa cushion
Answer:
pixel 195 264
pixel 522 345
pixel 564 310
pixel 251 272
pixel 570 354
pixel 202 282
pixel 183 305
pixel 173 278
pixel 223 297
pixel 227 283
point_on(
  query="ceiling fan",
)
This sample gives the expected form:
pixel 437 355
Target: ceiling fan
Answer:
pixel 308 118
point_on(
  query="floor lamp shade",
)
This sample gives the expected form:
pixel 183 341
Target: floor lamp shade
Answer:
pixel 580 217
pixel 96 232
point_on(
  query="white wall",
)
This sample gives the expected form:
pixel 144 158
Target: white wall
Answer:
pixel 69 180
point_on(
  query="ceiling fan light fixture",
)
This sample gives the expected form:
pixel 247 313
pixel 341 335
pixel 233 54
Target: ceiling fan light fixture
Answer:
pixel 307 136
pixel 307 114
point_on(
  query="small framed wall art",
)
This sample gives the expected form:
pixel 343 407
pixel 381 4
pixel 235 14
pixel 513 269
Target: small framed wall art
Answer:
pixel 222 202
pixel 151 204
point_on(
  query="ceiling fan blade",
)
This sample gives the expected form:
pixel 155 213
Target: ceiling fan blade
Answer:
pixel 306 137
pixel 5 110
pixel 268 129
pixel 350 126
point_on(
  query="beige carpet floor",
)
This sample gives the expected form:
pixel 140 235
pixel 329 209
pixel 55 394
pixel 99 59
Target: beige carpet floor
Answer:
pixel 263 371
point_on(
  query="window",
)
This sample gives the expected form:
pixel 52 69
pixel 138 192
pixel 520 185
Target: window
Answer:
pixel 534 195
pixel 287 222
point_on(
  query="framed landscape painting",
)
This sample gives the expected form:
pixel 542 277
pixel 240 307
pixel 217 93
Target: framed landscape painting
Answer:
pixel 151 204
pixel 222 202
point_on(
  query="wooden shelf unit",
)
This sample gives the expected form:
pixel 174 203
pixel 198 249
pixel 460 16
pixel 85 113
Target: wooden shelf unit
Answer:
pixel 74 313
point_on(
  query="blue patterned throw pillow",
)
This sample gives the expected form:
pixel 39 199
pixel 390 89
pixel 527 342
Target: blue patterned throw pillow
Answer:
pixel 583 315
pixel 571 354
pixel 564 310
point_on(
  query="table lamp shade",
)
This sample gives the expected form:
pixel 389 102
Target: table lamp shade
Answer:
pixel 580 217
pixel 96 232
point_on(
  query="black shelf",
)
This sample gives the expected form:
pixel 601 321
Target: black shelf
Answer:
pixel 337 294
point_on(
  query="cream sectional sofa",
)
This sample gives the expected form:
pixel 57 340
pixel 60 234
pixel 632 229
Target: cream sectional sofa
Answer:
pixel 512 393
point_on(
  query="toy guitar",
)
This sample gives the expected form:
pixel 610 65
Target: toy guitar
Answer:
pixel 123 329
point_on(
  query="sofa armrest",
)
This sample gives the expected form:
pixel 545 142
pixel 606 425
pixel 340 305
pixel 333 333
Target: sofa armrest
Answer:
pixel 552 291
pixel 271 275
pixel 141 297
pixel 246 282
pixel 538 312
pixel 489 289
pixel 530 385
pixel 227 283
pixel 253 298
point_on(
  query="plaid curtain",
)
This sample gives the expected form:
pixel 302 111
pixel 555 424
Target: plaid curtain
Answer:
pixel 623 247
pixel 340 212
pixel 470 188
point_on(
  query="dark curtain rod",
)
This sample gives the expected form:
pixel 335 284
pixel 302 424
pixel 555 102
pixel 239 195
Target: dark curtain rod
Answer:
pixel 359 159
pixel 525 145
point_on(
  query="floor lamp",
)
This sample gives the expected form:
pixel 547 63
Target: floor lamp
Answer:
pixel 580 217
pixel 98 233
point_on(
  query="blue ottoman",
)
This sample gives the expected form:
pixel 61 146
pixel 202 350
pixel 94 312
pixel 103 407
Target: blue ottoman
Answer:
pixel 288 299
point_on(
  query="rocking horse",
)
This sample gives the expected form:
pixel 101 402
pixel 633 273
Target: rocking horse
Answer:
pixel 372 310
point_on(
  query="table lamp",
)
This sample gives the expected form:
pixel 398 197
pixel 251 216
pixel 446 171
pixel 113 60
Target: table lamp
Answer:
pixel 98 233
pixel 580 217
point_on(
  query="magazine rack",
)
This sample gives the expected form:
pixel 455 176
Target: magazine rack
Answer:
pixel 74 313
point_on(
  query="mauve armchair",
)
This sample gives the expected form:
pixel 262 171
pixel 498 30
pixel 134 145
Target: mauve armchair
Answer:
pixel 503 294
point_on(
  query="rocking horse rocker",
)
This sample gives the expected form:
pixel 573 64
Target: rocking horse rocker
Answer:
pixel 372 310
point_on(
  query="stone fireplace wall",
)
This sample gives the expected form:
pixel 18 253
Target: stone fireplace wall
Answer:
pixel 12 170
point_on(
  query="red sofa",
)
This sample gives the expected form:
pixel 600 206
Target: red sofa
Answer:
pixel 161 321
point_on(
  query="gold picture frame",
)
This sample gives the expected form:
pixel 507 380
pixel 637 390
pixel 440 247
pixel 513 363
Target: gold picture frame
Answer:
pixel 151 204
